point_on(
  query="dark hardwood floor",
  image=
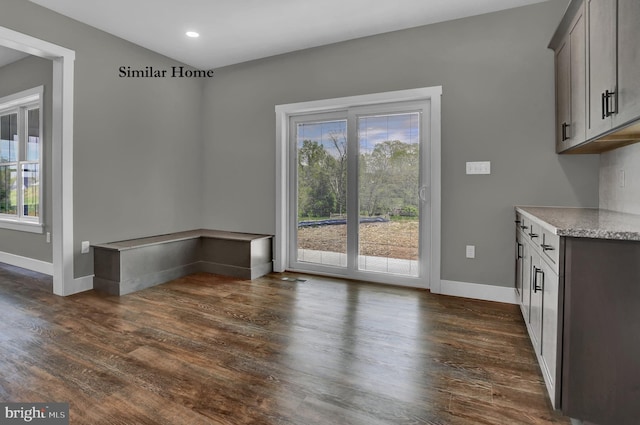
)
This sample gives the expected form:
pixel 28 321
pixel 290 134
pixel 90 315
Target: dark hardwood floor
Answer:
pixel 207 349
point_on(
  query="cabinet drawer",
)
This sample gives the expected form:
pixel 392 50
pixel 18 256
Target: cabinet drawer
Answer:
pixel 550 246
pixel 534 233
pixel 522 223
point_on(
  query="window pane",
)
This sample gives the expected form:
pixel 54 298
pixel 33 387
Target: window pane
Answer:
pixel 388 187
pixel 33 139
pixel 9 138
pixel 322 192
pixel 31 189
pixel 8 192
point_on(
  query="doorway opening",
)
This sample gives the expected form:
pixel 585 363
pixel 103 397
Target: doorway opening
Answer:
pixel 62 153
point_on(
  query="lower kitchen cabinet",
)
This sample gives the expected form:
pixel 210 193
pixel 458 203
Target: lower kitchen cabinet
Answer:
pixel 539 296
pixel 579 292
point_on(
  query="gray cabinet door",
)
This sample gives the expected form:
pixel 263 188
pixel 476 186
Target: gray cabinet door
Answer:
pixel 535 312
pixel 602 63
pixel 576 132
pixel 563 95
pixel 525 304
pixel 628 61
pixel 571 85
pixel 549 282
pixel 518 268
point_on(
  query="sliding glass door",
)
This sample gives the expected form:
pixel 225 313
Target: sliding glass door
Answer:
pixel 321 218
pixel 388 193
pixel 360 188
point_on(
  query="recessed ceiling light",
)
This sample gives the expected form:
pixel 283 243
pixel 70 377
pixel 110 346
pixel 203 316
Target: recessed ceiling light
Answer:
pixel 192 34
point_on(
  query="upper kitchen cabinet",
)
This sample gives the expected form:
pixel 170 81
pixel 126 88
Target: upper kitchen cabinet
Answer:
pixel 628 62
pixel 598 103
pixel 571 87
pixel 602 66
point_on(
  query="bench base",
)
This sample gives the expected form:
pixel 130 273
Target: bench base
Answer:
pixel 128 266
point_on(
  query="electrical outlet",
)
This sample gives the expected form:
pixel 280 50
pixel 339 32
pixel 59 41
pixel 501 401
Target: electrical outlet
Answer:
pixel 48 237
pixel 621 178
pixel 85 247
pixel 471 251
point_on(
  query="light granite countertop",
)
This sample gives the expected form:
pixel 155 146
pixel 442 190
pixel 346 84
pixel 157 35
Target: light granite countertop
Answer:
pixel 586 222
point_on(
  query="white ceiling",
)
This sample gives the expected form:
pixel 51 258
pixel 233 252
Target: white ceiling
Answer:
pixel 234 31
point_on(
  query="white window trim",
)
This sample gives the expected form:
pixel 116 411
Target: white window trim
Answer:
pixel 283 203
pixel 21 226
pixel 25 99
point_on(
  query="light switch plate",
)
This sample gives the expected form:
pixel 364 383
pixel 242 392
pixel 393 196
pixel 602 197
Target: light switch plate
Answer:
pixel 84 248
pixel 479 167
pixel 471 251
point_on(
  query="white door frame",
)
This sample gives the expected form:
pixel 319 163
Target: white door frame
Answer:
pixel 432 98
pixel 62 153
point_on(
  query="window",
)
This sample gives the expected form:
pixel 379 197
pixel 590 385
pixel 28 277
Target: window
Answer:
pixel 21 161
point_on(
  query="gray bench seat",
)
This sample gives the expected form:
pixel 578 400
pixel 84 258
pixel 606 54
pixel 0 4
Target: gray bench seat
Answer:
pixel 127 266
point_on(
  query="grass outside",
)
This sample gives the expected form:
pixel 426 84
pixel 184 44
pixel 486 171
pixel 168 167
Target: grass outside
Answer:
pixel 31 200
pixel 393 239
pixel 32 207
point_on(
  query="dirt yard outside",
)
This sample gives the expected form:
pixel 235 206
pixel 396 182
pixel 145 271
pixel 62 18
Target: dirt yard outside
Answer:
pixel 393 239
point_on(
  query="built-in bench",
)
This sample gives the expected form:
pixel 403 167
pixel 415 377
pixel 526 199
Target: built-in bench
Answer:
pixel 127 266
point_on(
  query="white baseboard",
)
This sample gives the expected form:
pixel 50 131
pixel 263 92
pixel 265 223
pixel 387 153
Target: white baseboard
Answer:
pixel 478 291
pixel 27 263
pixel 79 284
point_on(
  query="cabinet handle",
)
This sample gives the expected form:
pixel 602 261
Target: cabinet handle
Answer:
pixel 564 131
pixel 533 235
pixel 606 102
pixel 537 288
pixel 518 222
pixel 614 95
pixel 524 227
pixel 546 247
pixel 519 255
pixel 607 95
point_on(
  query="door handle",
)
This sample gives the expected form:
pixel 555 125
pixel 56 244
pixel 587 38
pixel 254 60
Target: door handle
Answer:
pixel 423 194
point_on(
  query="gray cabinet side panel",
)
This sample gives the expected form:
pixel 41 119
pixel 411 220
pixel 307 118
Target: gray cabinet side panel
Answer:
pixel 601 371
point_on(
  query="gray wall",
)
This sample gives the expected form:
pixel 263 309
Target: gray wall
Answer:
pixel 22 75
pixel 612 195
pixel 157 156
pixel 136 142
pixel 497 105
